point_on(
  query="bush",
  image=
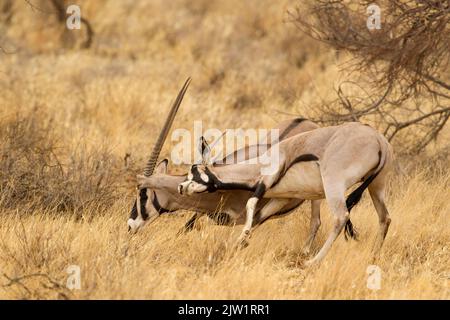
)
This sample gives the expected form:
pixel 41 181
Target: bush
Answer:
pixel 32 172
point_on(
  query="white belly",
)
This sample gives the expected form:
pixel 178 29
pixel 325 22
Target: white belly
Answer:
pixel 302 181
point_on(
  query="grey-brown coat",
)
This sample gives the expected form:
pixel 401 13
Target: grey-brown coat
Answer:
pixel 322 163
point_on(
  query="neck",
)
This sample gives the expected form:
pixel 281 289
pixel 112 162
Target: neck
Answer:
pixel 236 176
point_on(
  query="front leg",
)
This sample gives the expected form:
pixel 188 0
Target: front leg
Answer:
pixel 251 208
pixel 264 183
pixel 245 234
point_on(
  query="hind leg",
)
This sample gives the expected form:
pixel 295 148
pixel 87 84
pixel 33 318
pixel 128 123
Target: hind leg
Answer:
pixel 271 208
pixel 377 193
pixel 314 225
pixel 335 195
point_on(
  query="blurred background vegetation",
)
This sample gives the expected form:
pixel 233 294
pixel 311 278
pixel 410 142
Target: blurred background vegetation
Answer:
pixel 75 102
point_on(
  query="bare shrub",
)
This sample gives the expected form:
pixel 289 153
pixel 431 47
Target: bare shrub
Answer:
pixel 405 65
pixel 57 9
pixel 33 172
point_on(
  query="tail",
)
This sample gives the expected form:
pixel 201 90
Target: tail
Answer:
pixel 350 231
pixel 351 201
pixel 355 196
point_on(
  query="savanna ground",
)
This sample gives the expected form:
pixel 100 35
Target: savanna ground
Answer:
pixel 69 115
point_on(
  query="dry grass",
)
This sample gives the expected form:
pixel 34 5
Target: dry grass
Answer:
pixel 68 117
pixel 156 264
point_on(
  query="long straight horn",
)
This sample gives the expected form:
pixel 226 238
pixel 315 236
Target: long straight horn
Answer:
pixel 165 130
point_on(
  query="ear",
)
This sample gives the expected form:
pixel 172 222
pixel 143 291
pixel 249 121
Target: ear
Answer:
pixel 162 166
pixel 142 181
pixel 205 150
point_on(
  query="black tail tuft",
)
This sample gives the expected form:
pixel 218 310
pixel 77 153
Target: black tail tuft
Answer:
pixel 355 196
pixel 350 231
pixel 352 201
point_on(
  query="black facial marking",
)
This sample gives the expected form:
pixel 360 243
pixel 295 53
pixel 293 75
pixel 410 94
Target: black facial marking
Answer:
pixel 196 174
pixel 134 213
pixel 143 200
pixel 213 184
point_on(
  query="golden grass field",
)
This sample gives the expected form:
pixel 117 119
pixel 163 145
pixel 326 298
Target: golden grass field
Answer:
pixel 69 115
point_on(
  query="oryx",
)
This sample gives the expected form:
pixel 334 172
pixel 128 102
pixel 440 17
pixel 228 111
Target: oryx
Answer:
pixel 322 163
pixel 160 193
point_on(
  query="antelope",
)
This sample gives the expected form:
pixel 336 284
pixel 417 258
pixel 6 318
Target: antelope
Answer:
pixel 160 195
pixel 319 164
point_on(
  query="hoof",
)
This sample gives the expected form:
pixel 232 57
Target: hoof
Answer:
pixel 243 241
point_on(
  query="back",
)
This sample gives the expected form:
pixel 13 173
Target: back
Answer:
pixel 287 129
